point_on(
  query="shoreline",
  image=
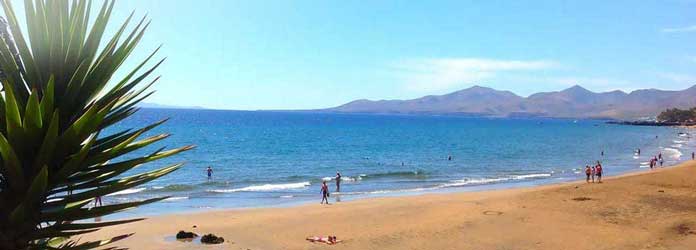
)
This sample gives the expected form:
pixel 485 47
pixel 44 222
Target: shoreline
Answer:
pixel 460 220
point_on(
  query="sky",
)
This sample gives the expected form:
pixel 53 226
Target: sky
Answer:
pixel 316 54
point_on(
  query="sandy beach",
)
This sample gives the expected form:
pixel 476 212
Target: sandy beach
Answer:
pixel 646 210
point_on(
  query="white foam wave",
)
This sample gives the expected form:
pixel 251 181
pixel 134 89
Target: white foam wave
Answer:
pixel 176 198
pixel 679 141
pixel 287 196
pixel 468 181
pixel 127 191
pixel 265 187
pixel 343 178
pixel 674 153
pixel 677 145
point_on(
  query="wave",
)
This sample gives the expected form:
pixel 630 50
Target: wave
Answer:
pixel 172 188
pixel 387 191
pixel 127 191
pixel 343 178
pixel 175 198
pixel 679 141
pixel 403 174
pixel 479 181
pixel 674 153
pixel 265 187
pixel 456 183
pixel 677 145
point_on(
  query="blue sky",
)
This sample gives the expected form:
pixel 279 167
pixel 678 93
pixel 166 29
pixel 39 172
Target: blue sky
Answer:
pixel 317 54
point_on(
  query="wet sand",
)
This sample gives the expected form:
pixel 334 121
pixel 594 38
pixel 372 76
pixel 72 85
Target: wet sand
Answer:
pixel 647 210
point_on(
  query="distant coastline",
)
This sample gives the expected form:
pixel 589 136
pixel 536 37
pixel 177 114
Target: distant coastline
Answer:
pixel 654 123
pixel 164 106
pixel 574 102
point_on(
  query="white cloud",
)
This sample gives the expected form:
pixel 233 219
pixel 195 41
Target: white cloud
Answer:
pixel 691 28
pixel 679 78
pixel 428 75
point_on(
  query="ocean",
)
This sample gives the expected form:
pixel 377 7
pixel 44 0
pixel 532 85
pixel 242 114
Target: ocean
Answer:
pixel 264 159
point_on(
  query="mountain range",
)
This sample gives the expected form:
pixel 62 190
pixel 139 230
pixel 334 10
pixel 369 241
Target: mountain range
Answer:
pixel 573 102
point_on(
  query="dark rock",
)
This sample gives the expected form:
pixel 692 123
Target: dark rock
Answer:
pixel 186 235
pixel 211 239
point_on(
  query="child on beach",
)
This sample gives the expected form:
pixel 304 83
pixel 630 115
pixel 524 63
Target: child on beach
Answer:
pixel 324 193
pixel 588 172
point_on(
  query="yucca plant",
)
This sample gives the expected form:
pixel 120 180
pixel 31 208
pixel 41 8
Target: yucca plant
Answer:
pixel 58 98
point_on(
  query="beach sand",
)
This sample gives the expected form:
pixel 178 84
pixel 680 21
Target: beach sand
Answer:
pixel 647 210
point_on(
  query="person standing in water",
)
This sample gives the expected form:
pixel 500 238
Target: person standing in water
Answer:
pixel 338 182
pixel 324 193
pixel 210 172
pixel 97 201
pixel 693 155
pixel 449 158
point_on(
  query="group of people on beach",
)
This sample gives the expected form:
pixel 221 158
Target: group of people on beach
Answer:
pixel 655 160
pixel 593 171
pixel 325 189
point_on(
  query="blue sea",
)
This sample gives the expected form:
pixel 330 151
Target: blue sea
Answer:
pixel 262 159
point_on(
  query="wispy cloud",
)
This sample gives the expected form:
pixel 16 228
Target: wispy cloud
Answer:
pixel 427 75
pixel 691 28
pixel 679 78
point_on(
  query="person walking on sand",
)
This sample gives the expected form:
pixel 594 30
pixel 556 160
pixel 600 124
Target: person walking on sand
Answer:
pixel 652 162
pixel 210 172
pixel 592 173
pixel 598 171
pixel 588 172
pixel 324 193
pixel 338 182
pixel 661 162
